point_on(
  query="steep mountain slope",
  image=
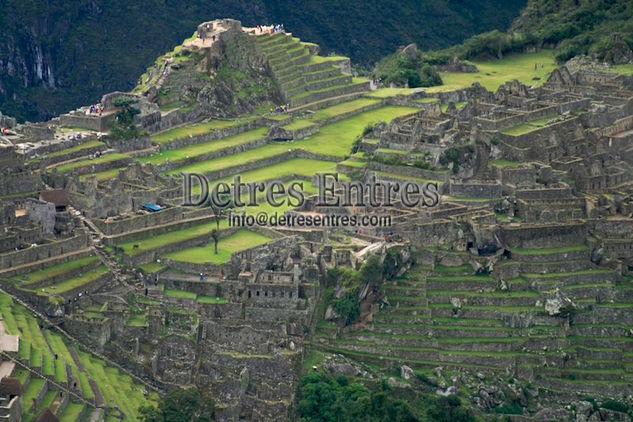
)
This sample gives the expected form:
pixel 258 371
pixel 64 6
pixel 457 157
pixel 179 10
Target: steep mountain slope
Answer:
pixel 55 56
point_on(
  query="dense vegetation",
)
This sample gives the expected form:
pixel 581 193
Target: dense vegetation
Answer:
pixel 407 68
pixel 599 28
pixel 326 398
pixel 372 273
pixel 55 56
pixel 180 406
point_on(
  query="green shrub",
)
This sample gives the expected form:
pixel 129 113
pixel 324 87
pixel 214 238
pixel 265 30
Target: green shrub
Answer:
pixel 615 405
pixel 347 307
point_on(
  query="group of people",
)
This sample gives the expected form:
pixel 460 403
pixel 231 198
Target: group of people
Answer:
pixel 95 109
pixel 281 108
pixel 270 29
pixel 6 131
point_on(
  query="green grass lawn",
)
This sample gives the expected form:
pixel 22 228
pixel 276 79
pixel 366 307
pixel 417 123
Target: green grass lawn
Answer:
pixel 205 147
pixel 625 69
pixel 54 270
pixel 151 267
pixel 106 158
pixel 180 294
pixel 137 320
pixel 209 299
pixel 71 412
pixel 527 127
pixel 240 240
pixel 194 129
pixel 494 73
pixel 504 163
pixel 541 251
pixel 74 282
pixel 337 138
pixel 154 242
pixel 342 108
pixel 297 166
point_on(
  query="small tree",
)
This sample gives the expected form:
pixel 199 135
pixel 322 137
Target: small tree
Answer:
pixel 215 235
pixel 123 126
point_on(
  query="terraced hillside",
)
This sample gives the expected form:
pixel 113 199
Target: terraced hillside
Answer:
pixel 303 76
pixel 59 375
pixel 500 323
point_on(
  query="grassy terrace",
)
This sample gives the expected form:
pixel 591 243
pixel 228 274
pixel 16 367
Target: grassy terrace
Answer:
pixel 504 163
pixel 150 243
pixel 527 127
pixel 238 241
pixel 74 282
pixel 298 124
pixel 494 73
pixel 183 294
pixel 543 251
pixel 342 108
pixel 137 320
pixel 106 158
pixel 196 129
pixel 334 139
pixel 54 270
pixel 85 145
pixel 205 147
pixel 117 388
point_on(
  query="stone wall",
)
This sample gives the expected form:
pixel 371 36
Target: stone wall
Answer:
pixel 165 166
pixel 45 251
pixel 476 189
pixel 152 231
pixel 91 122
pixel 543 236
pixel 214 134
pixel 138 222
pixel 410 171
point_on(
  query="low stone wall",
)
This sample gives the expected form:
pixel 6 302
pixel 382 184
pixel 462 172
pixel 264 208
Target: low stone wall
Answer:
pixel 410 171
pixel 214 134
pixel 126 145
pixel 477 190
pixel 498 124
pixel 138 222
pixel 16 182
pixel 166 166
pixel 220 310
pixel 55 279
pixel 48 250
pixel 543 236
pixel 96 167
pixel 203 288
pixel 174 118
pixel 317 96
pixel 154 231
